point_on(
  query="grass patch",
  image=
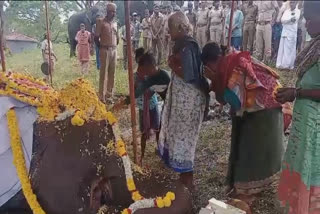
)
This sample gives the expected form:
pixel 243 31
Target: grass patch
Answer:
pixel 66 68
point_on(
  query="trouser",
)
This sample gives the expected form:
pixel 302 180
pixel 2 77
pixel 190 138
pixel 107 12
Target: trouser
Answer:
pixel 147 44
pixel 108 59
pixel 157 49
pixel 215 33
pixel 202 36
pixel 236 42
pixel 135 44
pixel 263 42
pixel 249 30
pixel 84 67
pixel 98 57
pixel 125 57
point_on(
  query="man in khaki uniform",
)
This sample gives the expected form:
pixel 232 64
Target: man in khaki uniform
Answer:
pixel 266 10
pixel 192 16
pixel 146 31
pixel 202 23
pixel 215 23
pixel 107 39
pixel 249 28
pixel 156 30
pixel 225 12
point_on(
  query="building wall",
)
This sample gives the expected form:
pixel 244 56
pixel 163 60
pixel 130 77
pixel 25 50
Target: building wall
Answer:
pixel 20 46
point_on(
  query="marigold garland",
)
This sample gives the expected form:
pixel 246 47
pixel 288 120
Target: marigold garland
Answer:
pixel 19 162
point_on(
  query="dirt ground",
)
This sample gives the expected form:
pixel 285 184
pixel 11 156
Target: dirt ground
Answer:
pixel 211 158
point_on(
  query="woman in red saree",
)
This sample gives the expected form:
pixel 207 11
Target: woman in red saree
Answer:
pixel 257 144
pixel 83 38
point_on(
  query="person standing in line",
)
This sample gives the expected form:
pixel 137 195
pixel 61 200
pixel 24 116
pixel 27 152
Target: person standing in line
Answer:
pixel 299 185
pixel 146 31
pixel 249 28
pixel 288 43
pixel 215 23
pixel 45 56
pixel 166 30
pixel 192 16
pixel 156 30
pixel 83 39
pixel 94 27
pixel 225 12
pixel 202 23
pixel 266 10
pixel 124 45
pixel 236 35
pixel 136 31
pixel 165 34
pixel 107 39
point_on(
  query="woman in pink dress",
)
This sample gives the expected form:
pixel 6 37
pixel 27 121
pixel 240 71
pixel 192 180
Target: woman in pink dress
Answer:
pixel 83 39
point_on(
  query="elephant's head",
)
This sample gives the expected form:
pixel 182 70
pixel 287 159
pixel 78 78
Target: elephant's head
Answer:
pixel 94 13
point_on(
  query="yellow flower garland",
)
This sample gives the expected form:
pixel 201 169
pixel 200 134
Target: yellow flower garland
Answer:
pixel 19 162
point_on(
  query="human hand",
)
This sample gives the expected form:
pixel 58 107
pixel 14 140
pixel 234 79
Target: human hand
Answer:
pixel 284 95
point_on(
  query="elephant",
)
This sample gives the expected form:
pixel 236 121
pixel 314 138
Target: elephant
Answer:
pixel 73 170
pixel 88 18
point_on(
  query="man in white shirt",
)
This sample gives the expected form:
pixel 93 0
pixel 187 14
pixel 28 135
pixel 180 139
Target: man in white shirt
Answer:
pixel 287 48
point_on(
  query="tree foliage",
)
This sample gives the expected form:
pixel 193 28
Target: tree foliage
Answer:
pixel 28 17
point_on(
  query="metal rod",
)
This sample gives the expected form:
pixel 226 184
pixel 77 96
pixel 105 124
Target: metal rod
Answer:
pixel 230 24
pixel 131 81
pixel 48 39
pixel 3 58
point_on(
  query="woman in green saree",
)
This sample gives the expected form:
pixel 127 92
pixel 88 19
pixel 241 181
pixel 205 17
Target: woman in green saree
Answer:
pixel 299 187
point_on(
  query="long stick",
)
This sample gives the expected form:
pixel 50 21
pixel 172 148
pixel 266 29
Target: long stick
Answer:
pixel 131 82
pixel 48 38
pixel 3 58
pixel 230 24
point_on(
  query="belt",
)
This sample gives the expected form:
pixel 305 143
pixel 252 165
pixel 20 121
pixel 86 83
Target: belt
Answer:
pixel 203 25
pixel 108 47
pixel 263 22
pixel 250 21
pixel 216 23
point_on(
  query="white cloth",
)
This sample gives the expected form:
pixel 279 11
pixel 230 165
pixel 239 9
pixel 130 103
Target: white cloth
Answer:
pixel 287 48
pixel 27 115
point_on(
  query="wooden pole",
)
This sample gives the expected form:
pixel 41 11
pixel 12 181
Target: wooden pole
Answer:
pixel 2 38
pixel 48 39
pixel 230 24
pixel 131 82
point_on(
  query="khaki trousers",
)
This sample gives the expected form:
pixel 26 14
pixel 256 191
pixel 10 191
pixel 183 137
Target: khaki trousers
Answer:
pixel 202 36
pixel 147 44
pixel 108 60
pixel 215 33
pixel 249 30
pixel 84 67
pixel 157 49
pixel 263 42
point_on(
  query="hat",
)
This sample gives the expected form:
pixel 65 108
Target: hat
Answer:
pixel 134 14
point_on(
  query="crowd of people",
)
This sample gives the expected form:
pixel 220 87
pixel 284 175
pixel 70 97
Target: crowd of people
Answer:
pixel 194 45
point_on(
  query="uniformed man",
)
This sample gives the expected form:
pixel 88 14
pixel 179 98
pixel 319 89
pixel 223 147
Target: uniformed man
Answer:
pixel 124 44
pixel 146 31
pixel 107 39
pixel 136 31
pixel 250 13
pixel 267 11
pixel 225 12
pixel 202 23
pixel 156 29
pixel 192 18
pixel 215 23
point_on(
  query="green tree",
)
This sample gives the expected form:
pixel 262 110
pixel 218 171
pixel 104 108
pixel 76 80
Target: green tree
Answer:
pixel 28 17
